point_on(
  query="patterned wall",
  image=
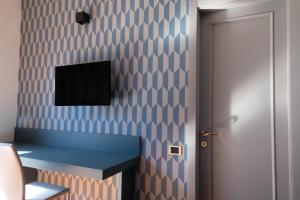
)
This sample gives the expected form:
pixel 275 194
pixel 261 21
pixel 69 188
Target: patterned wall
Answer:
pixel 147 42
pixel 81 187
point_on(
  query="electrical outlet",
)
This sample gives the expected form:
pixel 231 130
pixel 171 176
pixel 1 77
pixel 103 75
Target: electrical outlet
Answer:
pixel 175 150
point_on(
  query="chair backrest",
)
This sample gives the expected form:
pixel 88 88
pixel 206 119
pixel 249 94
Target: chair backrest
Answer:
pixel 12 184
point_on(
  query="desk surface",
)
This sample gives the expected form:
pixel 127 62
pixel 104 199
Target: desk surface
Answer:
pixel 88 163
pixel 96 156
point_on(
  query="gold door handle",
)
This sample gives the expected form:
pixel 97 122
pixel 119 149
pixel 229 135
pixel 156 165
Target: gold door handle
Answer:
pixel 209 133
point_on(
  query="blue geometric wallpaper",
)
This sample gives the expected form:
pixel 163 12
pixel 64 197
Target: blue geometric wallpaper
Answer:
pixel 147 42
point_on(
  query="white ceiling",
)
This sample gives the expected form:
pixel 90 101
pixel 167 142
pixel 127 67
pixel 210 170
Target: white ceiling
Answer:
pixel 224 4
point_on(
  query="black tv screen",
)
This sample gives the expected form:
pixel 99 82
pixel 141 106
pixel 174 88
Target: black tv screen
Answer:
pixel 83 84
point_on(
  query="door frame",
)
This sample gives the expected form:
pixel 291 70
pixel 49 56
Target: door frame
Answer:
pixel 281 97
pixel 192 128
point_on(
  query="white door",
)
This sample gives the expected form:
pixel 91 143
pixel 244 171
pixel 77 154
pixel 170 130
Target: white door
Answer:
pixel 237 107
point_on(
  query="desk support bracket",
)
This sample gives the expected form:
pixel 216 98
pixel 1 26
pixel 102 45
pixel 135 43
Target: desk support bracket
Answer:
pixel 128 184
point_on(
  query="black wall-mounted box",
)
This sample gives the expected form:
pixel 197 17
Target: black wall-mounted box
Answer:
pixel 82 18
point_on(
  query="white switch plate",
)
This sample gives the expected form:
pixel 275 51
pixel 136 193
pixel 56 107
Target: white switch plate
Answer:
pixel 175 150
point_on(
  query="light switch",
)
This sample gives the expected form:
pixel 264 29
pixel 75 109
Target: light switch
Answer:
pixel 175 150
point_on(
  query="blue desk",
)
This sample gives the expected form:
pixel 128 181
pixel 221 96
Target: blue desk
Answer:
pixel 95 156
pixel 92 164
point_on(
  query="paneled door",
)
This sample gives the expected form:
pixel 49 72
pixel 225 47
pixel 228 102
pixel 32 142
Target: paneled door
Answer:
pixel 237 106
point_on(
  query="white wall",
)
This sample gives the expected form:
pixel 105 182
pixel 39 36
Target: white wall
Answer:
pixel 225 4
pixel 10 20
pixel 294 31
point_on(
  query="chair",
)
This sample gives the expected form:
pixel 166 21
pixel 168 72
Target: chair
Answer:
pixel 12 181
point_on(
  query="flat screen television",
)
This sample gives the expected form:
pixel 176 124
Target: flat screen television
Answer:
pixel 83 84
